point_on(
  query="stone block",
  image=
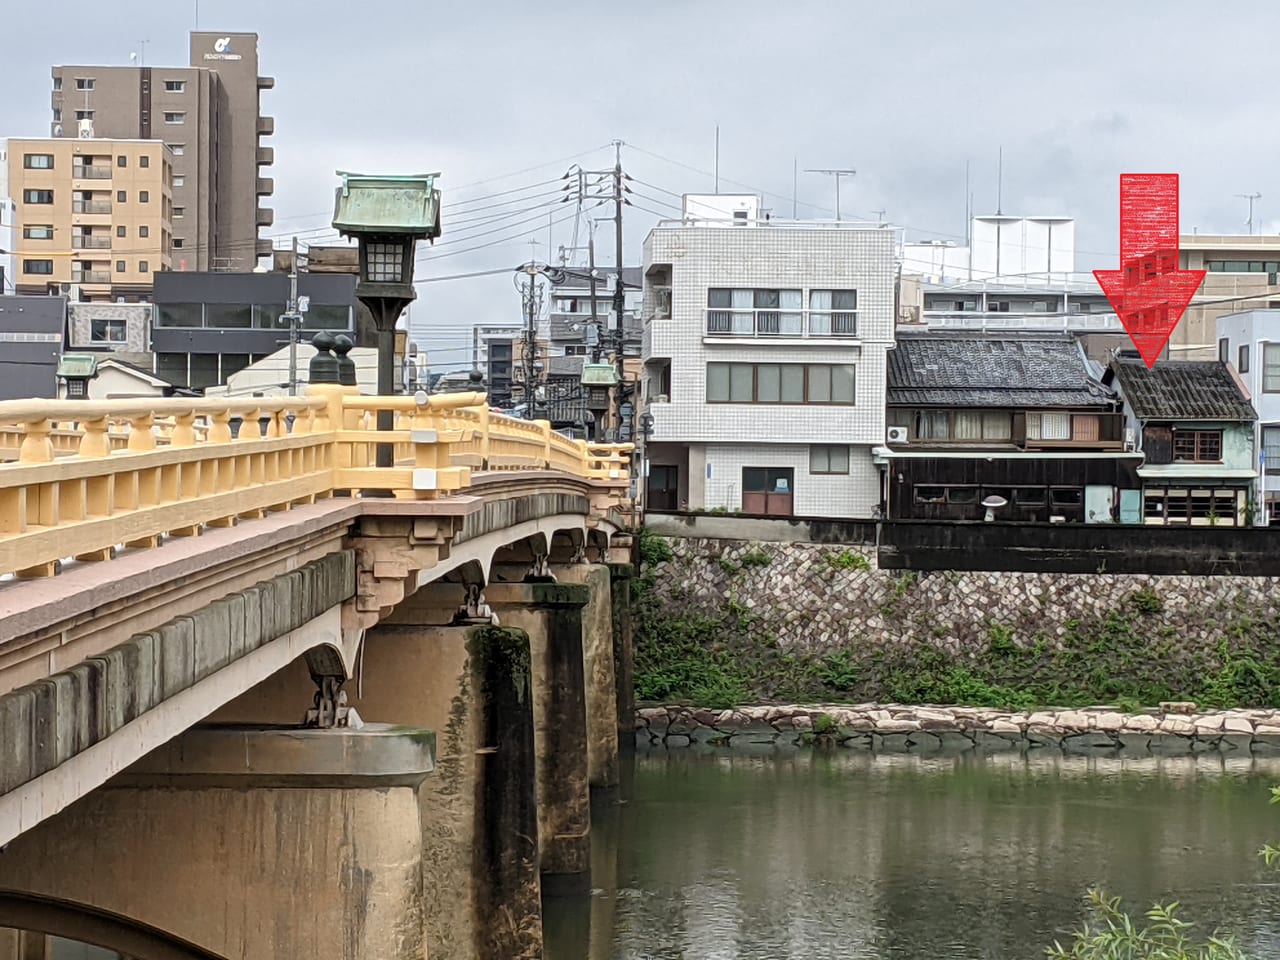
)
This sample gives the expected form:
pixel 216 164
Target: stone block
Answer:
pixel 1237 743
pixel 890 742
pixel 860 741
pixel 308 593
pixel 676 740
pixel 988 741
pixel 177 656
pixel 1170 744
pixel 1001 725
pixel 211 640
pixel 270 593
pixel 893 725
pixel 253 636
pixel 757 731
pixel 288 603
pixel 1237 725
pixel 1132 742
pixel 1204 743
pixel 953 741
pixel 17 717
pixel 922 741
pixel 1266 745
pixel 86 679
pixel 1093 742
pixel 1043 736
pixel 44 727
pixel 68 717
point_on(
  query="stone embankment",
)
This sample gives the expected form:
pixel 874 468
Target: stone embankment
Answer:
pixel 1177 728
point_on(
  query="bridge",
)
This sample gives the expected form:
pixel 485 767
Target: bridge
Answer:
pixel 260 697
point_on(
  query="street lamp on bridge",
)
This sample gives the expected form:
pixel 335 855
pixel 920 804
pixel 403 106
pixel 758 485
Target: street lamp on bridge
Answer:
pixel 387 215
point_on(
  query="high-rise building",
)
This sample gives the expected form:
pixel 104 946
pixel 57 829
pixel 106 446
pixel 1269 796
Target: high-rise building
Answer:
pixel 209 115
pixel 92 217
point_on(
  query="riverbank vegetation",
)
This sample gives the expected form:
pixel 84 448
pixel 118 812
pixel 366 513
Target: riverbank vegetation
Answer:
pixel 729 656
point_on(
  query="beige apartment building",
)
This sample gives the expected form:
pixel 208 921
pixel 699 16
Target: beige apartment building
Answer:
pixel 209 115
pixel 93 218
pixel 1242 275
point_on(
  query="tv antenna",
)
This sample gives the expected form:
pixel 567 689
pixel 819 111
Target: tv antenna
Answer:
pixel 1250 197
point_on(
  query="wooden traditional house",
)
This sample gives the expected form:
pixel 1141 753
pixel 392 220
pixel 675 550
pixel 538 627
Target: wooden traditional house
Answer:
pixel 1021 422
pixel 1194 426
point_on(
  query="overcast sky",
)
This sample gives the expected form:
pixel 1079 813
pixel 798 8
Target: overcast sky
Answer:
pixel 1075 92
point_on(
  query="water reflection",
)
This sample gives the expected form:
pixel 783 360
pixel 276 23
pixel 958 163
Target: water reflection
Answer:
pixel 844 855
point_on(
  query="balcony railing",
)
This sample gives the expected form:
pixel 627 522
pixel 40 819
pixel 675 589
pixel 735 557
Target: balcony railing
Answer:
pixel 90 206
pixel 91 243
pixel 840 324
pixel 91 276
pixel 91 173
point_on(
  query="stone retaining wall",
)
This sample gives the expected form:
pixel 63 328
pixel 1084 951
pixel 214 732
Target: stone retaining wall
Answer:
pixel 891 728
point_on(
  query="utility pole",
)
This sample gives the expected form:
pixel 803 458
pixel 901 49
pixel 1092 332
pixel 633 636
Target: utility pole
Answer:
pixel 531 294
pixel 837 173
pixel 591 280
pixel 619 296
pixel 1250 197
pixel 295 320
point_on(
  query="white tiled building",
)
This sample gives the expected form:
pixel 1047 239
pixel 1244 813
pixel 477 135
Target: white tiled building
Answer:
pixel 764 347
pixel 1250 342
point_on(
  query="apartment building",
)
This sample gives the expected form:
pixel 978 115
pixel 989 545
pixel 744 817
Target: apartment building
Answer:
pixel 764 350
pixel 1249 342
pixel 93 217
pixel 1243 274
pixel 209 115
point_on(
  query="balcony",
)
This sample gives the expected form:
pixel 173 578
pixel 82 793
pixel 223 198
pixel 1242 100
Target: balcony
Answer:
pixel 82 172
pixel 91 276
pixel 266 126
pixel 265 187
pixel 794 324
pixel 266 217
pixel 90 206
pixel 91 243
pixel 266 83
pixel 266 156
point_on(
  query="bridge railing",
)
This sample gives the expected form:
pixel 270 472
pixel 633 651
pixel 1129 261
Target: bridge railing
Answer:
pixel 92 476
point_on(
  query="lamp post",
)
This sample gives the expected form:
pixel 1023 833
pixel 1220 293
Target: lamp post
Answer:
pixel 387 215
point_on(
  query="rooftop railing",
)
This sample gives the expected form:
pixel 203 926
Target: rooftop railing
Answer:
pixel 92 477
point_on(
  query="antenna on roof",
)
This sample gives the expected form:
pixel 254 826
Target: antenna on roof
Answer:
pixel 1000 182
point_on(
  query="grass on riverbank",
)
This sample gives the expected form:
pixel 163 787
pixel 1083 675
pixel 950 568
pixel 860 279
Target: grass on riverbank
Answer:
pixel 1123 659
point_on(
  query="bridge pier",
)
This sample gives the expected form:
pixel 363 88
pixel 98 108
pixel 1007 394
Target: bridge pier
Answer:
pixel 551 614
pixel 248 842
pixel 598 671
pixel 481 889
pixel 620 575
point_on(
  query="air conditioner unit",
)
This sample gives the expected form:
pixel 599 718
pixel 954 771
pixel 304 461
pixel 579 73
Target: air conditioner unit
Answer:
pixel 85 129
pixel 895 435
pixel 1130 441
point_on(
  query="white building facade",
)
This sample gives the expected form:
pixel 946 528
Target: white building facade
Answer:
pixel 764 374
pixel 1249 342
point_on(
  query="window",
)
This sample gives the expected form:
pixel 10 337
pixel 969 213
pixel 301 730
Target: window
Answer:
pixel 108 331
pixel 44 267
pixel 1242 362
pixel 144 267
pixel 179 213
pixel 57 83
pixel 1029 496
pixel 43 196
pixel 57 114
pixel 933 425
pixel 144 231
pixel 144 196
pixel 84 83
pixel 962 494
pixel 1066 496
pixel 37 161
pixel 144 161
pixel 177 243
pixel 1197 446
pixel 178 149
pixel 76 389
pixel 180 315
pixel 122 161
pixel 84 114
pixel 1224 349
pixel 833 313
pixel 175 86
pixel 1271 448
pixel 829 459
pixel 829 383
pixel 179 180
pixel 175 116
pixel 1048 426
pixel 930 494
pixel 228 315
pixel 122 231
pixel 1242 266
pixel 119 266
pixel 1271 368
pixel 37 231
pixel 1086 426
pixel 121 196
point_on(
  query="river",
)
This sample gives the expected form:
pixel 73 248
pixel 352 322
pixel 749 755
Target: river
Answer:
pixel 836 855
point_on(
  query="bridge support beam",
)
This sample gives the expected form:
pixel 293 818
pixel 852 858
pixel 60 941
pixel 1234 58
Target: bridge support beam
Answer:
pixel 598 671
pixel 624 665
pixel 249 842
pixel 551 614
pixel 481 890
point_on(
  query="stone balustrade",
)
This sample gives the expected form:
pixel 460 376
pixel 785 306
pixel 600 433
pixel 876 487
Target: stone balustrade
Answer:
pixel 92 476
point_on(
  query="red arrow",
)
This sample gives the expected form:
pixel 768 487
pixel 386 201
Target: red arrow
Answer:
pixel 1149 293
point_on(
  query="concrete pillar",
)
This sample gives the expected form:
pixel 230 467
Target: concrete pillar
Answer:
pixel 551 614
pixel 598 671
pixel 250 842
pixel 481 890
pixel 624 657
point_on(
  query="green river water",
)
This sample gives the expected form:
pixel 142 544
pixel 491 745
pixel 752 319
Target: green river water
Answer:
pixel 836 855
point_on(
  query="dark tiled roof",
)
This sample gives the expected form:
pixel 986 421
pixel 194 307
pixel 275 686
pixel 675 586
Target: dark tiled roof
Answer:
pixel 1182 390
pixel 974 370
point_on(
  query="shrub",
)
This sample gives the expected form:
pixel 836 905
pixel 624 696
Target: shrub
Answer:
pixel 848 560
